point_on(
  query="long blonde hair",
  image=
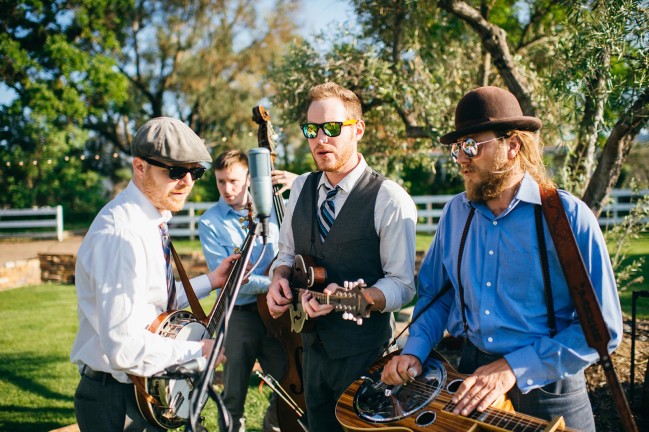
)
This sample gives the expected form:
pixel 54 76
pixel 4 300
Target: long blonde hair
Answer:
pixel 530 156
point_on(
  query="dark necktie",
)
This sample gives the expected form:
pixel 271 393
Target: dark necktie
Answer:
pixel 327 213
pixel 171 285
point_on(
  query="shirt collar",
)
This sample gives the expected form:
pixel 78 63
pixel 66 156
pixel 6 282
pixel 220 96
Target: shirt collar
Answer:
pixel 347 183
pixel 134 193
pixel 225 208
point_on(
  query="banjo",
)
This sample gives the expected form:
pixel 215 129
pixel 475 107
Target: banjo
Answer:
pixel 165 402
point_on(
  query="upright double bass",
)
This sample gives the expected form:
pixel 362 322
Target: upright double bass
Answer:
pixel 281 328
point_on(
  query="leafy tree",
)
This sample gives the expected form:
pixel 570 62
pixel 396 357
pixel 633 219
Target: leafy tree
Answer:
pixel 84 75
pixel 411 61
pixel 56 79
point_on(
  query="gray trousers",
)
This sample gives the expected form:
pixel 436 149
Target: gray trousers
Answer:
pixel 248 340
pixel 108 406
pixel 567 397
pixel 326 379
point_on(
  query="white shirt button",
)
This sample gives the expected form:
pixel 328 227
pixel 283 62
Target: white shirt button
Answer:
pixel 488 284
pixel 490 339
pixel 529 381
pixel 491 252
pixel 495 223
pixel 487 312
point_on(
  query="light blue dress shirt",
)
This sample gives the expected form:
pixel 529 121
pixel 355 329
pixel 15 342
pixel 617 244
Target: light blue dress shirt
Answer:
pixel 504 290
pixel 220 231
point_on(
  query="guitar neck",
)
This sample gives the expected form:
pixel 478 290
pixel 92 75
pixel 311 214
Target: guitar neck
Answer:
pixel 510 421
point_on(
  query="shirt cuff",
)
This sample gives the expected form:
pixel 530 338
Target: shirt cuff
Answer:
pixel 527 368
pixel 416 348
pixel 390 290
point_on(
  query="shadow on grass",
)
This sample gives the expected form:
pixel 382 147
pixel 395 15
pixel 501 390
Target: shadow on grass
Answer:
pixel 21 369
pixel 37 407
pixel 35 415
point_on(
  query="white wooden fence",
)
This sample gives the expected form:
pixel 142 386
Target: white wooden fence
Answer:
pixel 21 222
pixel 429 209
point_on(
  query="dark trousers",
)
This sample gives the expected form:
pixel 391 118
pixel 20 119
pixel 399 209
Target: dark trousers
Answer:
pixel 326 379
pixel 567 397
pixel 106 405
pixel 248 340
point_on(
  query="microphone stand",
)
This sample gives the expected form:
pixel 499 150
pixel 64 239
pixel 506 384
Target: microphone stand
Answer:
pixel 204 383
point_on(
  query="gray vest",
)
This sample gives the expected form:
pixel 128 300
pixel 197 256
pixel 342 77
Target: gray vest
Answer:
pixel 351 251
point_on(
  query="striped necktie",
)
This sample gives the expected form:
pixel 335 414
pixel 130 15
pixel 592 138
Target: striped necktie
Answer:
pixel 171 284
pixel 327 212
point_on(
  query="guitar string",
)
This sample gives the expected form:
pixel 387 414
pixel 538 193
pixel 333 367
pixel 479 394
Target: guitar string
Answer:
pixel 423 389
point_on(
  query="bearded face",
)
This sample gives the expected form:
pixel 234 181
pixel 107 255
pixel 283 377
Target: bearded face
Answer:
pixel 490 181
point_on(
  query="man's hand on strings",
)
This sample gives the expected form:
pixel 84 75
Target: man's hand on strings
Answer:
pixel 401 369
pixel 219 275
pixel 484 387
pixel 279 295
pixel 285 178
pixel 313 307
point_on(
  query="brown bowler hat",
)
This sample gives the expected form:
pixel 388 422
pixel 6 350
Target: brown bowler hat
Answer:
pixel 489 108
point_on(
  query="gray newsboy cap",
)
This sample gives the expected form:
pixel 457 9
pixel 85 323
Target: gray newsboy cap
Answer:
pixel 169 140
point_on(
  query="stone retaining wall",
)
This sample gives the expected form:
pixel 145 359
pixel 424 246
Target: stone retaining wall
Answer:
pixel 60 268
pixel 15 274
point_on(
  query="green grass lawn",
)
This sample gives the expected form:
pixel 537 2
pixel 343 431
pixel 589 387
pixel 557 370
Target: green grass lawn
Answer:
pixel 37 380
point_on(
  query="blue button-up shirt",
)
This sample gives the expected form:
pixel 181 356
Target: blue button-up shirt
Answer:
pixel 504 291
pixel 220 231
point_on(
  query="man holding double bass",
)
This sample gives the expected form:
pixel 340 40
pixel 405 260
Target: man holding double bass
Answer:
pixel 222 233
pixel 357 225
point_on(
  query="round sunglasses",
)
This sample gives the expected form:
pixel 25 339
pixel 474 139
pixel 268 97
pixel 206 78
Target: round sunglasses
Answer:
pixel 177 172
pixel 331 129
pixel 469 147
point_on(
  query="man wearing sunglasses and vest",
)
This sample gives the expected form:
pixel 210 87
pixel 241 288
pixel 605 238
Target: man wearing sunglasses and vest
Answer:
pixel 487 246
pixel 124 280
pixel 357 225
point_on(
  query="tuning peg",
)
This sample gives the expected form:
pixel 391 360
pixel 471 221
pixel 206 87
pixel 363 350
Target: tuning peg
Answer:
pixel 346 316
pixel 359 321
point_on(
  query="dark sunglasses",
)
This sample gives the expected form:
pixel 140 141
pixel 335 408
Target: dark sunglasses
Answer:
pixel 469 147
pixel 177 172
pixel 331 129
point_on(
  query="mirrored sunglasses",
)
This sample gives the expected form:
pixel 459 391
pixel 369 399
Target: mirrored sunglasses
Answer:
pixel 177 172
pixel 469 146
pixel 331 129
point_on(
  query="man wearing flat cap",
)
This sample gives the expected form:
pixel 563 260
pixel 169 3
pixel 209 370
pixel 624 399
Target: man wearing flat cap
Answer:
pixel 487 249
pixel 124 280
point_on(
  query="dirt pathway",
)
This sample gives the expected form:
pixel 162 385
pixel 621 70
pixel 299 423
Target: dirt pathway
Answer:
pixel 17 250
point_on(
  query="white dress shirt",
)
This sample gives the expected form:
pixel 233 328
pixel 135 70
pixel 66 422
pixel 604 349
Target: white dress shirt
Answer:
pixel 395 217
pixel 121 284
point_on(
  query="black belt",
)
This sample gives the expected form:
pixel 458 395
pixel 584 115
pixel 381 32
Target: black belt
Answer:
pixel 250 307
pixel 103 377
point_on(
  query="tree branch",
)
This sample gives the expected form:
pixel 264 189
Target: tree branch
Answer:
pixel 495 42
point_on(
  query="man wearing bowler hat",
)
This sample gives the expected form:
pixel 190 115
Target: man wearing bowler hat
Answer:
pixel 124 280
pixel 487 248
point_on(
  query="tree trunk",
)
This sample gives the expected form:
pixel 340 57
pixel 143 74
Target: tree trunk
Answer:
pixel 583 159
pixel 617 148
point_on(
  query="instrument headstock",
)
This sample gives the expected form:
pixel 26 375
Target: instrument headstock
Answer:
pixel 266 135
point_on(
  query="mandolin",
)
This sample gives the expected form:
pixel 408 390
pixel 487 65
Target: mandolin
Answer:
pixel 353 302
pixel 425 405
